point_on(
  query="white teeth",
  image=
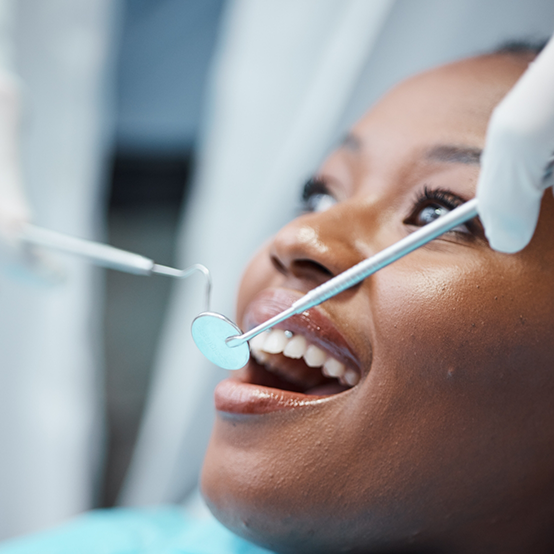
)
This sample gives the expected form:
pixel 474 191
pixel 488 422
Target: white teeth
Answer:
pixel 333 368
pixel 296 347
pixel 314 356
pixel 260 356
pixel 350 377
pixel 257 343
pixel 276 341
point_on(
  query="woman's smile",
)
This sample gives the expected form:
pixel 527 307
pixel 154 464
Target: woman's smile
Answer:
pixel 300 363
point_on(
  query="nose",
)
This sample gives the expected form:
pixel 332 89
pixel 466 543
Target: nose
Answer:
pixel 315 247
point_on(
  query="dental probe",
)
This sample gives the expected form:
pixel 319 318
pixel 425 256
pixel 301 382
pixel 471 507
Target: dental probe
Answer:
pixel 224 344
pixel 109 257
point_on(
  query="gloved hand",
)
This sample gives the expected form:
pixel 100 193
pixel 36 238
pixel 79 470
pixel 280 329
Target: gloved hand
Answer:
pixel 518 149
pixel 14 211
pixel 18 260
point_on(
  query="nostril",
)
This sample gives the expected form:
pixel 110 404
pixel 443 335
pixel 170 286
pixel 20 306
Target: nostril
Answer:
pixel 278 265
pixel 302 268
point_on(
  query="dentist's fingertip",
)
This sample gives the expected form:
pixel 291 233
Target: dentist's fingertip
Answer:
pixel 509 239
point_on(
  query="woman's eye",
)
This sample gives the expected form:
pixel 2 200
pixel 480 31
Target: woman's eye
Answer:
pixel 319 202
pixel 434 204
pixel 430 213
pixel 316 196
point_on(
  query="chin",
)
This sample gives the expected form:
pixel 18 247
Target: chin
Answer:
pixel 261 497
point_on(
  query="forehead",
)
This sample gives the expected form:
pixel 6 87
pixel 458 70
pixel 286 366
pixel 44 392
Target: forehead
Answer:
pixel 457 98
pixel 436 118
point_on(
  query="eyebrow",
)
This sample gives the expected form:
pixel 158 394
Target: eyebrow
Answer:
pixel 351 142
pixel 454 154
pixel 445 153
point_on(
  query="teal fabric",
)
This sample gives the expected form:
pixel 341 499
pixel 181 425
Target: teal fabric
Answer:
pixel 164 530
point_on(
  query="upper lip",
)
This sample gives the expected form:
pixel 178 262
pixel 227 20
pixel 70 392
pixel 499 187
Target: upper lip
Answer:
pixel 313 324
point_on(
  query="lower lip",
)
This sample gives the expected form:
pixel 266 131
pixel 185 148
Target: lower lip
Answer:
pixel 234 396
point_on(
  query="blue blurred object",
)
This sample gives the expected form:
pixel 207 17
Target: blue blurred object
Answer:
pixel 165 52
pixel 165 530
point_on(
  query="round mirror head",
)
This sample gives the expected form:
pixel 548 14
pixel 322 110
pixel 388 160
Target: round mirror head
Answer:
pixel 209 332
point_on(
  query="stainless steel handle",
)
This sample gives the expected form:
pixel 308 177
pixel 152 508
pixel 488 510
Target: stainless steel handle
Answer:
pixel 100 254
pixel 367 267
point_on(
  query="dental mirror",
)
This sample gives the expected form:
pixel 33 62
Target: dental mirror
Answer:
pixel 224 344
pixel 210 332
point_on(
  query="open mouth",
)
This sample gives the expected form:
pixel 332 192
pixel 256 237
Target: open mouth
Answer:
pixel 288 361
pixel 304 360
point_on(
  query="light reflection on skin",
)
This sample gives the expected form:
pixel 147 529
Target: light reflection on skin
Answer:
pixel 308 238
pixel 446 444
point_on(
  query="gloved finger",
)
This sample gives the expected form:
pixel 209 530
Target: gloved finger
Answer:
pixel 32 266
pixel 520 142
pixel 508 196
pixel 14 210
pixel 17 259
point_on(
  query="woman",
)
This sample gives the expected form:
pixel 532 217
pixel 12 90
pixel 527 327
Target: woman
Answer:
pixel 412 413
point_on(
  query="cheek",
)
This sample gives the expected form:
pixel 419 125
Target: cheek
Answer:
pixel 426 317
pixel 461 378
pixel 257 276
pixel 432 318
pixel 465 331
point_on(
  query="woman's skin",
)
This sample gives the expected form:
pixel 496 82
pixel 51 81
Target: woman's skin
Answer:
pixel 446 444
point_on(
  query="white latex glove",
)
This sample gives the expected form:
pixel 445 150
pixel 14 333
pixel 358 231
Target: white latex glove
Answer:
pixel 14 212
pixel 518 149
pixel 19 260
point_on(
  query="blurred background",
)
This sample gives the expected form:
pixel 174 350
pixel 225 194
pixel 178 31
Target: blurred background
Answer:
pixel 165 49
pixel 181 130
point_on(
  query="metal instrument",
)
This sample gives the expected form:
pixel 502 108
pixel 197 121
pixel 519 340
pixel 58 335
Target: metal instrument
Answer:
pixel 224 344
pixel 108 256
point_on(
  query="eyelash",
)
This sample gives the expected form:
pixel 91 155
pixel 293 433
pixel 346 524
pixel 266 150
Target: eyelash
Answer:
pixel 445 199
pixel 441 196
pixel 317 188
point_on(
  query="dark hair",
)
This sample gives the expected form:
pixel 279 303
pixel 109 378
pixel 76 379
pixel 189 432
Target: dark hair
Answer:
pixel 520 47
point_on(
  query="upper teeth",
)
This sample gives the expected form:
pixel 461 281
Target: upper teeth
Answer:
pixel 276 341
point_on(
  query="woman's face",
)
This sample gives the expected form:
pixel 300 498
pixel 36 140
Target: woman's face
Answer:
pixel 445 440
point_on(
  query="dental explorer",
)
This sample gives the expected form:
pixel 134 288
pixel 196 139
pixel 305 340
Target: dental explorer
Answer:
pixel 109 256
pixel 224 344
